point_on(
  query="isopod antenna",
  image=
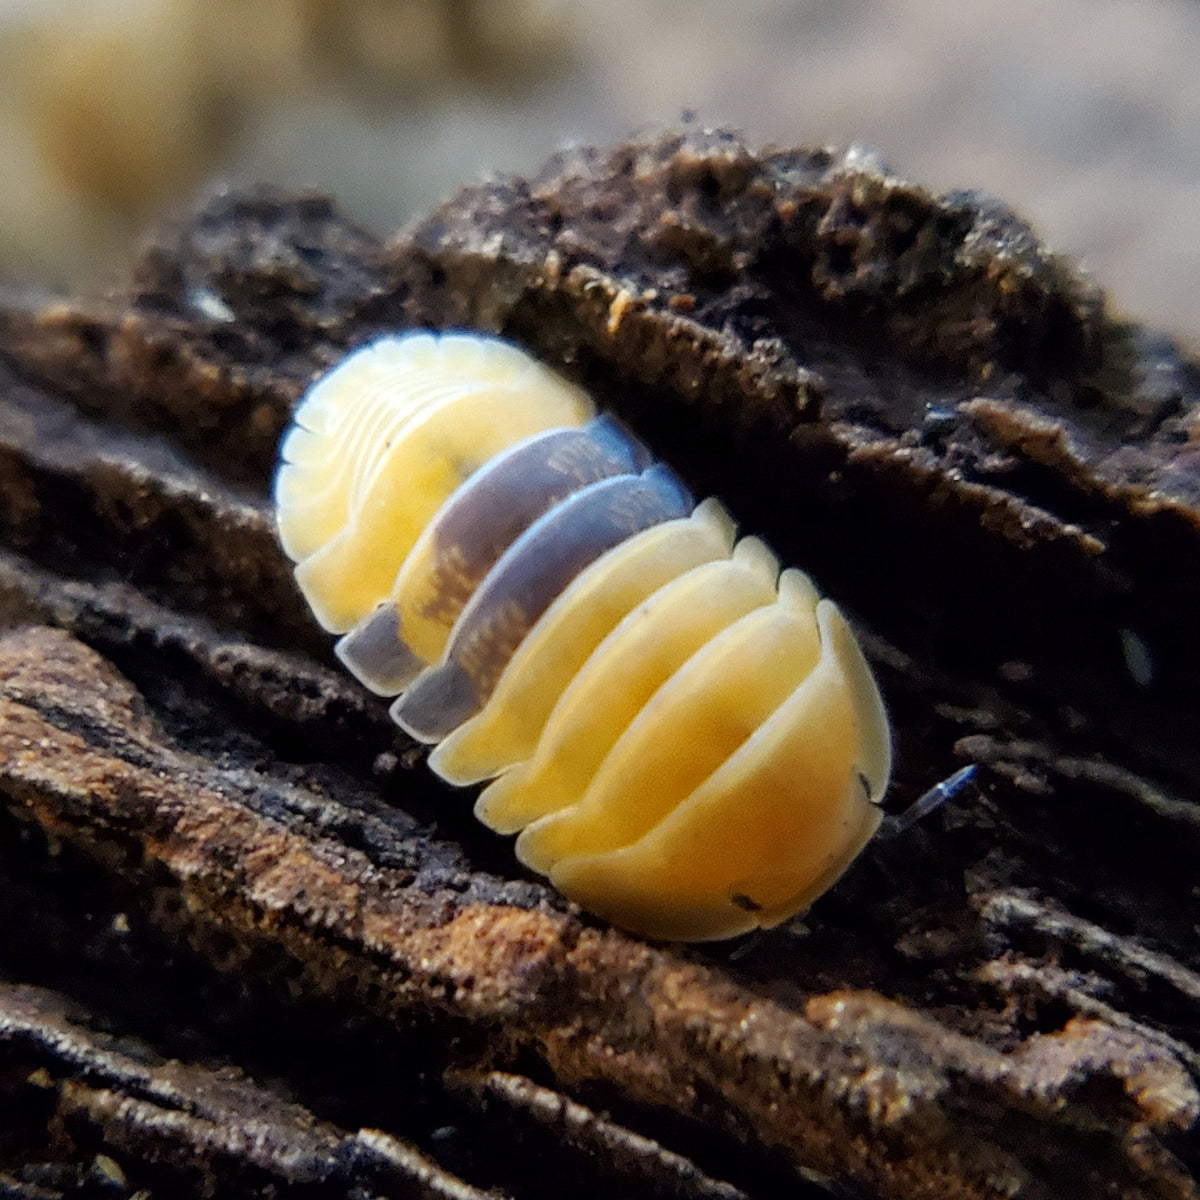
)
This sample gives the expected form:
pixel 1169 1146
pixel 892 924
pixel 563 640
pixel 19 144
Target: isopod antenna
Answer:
pixel 895 824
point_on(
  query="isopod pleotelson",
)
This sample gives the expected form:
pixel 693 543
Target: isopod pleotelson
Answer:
pixel 688 740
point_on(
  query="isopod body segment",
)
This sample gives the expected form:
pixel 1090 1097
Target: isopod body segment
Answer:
pixel 686 739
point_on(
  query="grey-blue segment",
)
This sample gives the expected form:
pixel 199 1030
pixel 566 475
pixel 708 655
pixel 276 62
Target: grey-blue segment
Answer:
pixel 504 497
pixel 375 655
pixel 528 577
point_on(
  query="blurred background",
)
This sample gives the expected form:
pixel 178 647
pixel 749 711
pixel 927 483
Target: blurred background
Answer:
pixel 1083 114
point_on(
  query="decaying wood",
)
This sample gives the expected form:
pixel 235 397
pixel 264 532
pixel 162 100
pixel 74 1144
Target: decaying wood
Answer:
pixel 249 943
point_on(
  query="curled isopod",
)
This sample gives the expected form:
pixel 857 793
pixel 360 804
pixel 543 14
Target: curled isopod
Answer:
pixel 687 739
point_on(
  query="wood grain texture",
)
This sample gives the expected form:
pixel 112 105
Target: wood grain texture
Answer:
pixel 216 848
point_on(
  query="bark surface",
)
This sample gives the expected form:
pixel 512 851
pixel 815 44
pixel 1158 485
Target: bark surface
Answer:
pixel 250 946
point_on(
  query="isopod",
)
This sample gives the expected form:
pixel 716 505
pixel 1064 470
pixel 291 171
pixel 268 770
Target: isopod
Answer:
pixel 686 738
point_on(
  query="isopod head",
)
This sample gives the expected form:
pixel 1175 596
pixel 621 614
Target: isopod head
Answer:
pixel 687 740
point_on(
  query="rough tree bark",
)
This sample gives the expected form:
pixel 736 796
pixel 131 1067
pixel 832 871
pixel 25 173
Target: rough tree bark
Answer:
pixel 248 945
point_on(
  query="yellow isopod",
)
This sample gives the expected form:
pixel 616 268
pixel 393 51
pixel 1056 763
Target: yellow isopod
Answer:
pixel 686 738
